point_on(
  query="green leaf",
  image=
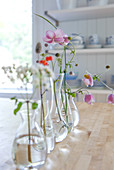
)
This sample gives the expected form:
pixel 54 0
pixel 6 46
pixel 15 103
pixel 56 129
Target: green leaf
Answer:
pixel 13 98
pixel 18 108
pixel 68 89
pixel 73 95
pixel 94 78
pixel 34 105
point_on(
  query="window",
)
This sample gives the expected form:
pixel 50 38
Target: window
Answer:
pixel 15 37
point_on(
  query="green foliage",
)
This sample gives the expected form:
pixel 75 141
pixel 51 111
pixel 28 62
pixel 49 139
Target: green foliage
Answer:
pixel 18 108
pixel 73 94
pixel 34 105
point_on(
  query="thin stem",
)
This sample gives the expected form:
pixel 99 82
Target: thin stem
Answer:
pixel 56 101
pixel 42 107
pixel 46 20
pixel 65 84
pixel 106 86
pixel 29 146
pixel 52 65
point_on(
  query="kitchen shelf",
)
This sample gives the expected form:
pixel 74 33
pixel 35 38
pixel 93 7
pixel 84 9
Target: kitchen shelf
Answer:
pixel 85 51
pixel 92 12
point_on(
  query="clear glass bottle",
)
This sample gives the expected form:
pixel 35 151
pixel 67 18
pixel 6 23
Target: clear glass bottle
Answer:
pixel 49 129
pixel 60 126
pixel 45 105
pixel 29 146
pixel 67 112
pixel 74 110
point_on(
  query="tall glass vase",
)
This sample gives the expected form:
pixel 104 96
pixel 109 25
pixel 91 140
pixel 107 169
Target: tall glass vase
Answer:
pixel 29 146
pixel 60 126
pixel 74 111
pixel 49 129
pixel 67 111
pixel 44 118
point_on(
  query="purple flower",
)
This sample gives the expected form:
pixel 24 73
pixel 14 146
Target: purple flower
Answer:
pixel 110 98
pixel 88 80
pixel 89 98
pixel 57 36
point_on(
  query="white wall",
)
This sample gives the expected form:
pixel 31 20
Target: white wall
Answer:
pixel 94 63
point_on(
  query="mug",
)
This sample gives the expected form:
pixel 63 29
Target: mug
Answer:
pixel 110 40
pixel 77 39
pixel 93 39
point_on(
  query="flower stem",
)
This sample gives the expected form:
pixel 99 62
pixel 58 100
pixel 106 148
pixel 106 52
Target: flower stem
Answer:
pixel 106 86
pixel 42 108
pixel 65 85
pixel 56 101
pixel 29 146
pixel 46 20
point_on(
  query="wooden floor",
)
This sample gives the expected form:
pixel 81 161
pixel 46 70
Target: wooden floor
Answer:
pixel 90 146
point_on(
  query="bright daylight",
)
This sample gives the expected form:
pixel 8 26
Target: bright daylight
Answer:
pixel 15 35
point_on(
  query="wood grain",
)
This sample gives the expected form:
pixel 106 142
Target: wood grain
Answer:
pixel 90 146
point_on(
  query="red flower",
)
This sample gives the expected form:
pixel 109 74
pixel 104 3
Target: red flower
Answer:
pixel 50 58
pixel 44 62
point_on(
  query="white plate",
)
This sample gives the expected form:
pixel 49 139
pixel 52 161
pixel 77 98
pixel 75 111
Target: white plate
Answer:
pixel 94 46
pixel 108 46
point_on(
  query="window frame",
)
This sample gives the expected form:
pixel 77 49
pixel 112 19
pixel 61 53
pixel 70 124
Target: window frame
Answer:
pixel 4 93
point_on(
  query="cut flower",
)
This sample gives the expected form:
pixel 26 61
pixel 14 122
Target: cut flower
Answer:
pixel 110 98
pixel 57 36
pixel 89 98
pixel 88 80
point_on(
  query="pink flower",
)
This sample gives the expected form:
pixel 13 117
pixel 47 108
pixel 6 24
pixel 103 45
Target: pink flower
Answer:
pixel 89 98
pixel 110 98
pixel 57 36
pixel 88 80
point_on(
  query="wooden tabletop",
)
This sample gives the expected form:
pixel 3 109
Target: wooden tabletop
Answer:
pixel 90 146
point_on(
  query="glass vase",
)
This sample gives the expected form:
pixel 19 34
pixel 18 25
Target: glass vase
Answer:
pixel 67 111
pixel 45 105
pixel 60 126
pixel 29 146
pixel 74 111
pixel 49 129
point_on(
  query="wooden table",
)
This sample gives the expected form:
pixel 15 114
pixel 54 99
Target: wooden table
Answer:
pixel 90 146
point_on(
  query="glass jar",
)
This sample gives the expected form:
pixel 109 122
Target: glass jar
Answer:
pixel 29 146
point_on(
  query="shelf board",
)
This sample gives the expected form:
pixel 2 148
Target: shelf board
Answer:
pixel 92 12
pixel 85 51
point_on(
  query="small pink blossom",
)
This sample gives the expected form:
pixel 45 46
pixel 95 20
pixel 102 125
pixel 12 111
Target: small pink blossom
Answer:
pixel 57 36
pixel 110 98
pixel 88 80
pixel 89 98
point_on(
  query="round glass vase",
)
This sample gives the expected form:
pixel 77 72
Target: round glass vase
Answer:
pixel 29 146
pixel 60 126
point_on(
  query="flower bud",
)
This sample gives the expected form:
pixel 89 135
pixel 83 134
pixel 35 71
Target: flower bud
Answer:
pixel 38 47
